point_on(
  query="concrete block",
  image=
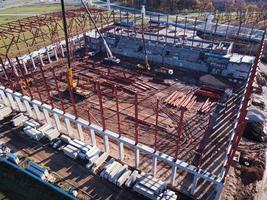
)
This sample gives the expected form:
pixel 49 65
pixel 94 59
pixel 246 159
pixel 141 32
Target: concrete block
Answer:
pixel 123 178
pixel 99 162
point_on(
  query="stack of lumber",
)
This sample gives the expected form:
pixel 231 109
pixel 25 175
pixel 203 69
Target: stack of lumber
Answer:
pixel 180 99
pixel 143 86
pixel 205 108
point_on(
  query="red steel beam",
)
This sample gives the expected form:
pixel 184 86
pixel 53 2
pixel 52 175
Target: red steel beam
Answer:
pixel 158 27
pixel 179 131
pixel 136 118
pixel 16 76
pixel 117 109
pixel 57 87
pixel 243 110
pixel 37 87
pixel 156 128
pixel 101 105
pixel 89 116
pixel 6 74
pixel 204 141
pixel 46 86
pixel 194 31
pixel 24 77
pixel 175 29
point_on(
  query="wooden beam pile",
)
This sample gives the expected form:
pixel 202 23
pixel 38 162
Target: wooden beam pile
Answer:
pixel 205 108
pixel 180 99
pixel 143 86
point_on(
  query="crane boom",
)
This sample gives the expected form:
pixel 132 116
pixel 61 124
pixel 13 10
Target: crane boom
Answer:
pixel 110 56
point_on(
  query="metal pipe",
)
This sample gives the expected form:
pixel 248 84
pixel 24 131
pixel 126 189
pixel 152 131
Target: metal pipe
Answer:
pixel 136 117
pixel 194 32
pixel 57 87
pixel 117 109
pixel 204 141
pixel 89 116
pixel 37 87
pixel 204 32
pixel 23 75
pixel 179 132
pixel 6 74
pixel 46 86
pixel 65 33
pixel 175 29
pixel 15 74
pixel 214 33
pixel 157 122
pixel 226 31
pixel 158 27
pixel 101 105
pixel 167 28
pixel 128 27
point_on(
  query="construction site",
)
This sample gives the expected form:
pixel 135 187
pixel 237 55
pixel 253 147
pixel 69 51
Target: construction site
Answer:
pixel 166 96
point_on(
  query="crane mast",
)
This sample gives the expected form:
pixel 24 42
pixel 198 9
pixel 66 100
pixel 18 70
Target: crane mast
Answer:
pixel 110 57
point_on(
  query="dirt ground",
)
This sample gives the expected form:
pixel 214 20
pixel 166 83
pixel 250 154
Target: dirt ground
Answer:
pixel 246 179
pixel 244 182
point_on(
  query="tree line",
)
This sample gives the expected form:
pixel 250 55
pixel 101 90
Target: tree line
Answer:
pixel 200 5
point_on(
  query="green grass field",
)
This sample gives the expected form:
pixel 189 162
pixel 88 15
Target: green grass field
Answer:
pixel 29 9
